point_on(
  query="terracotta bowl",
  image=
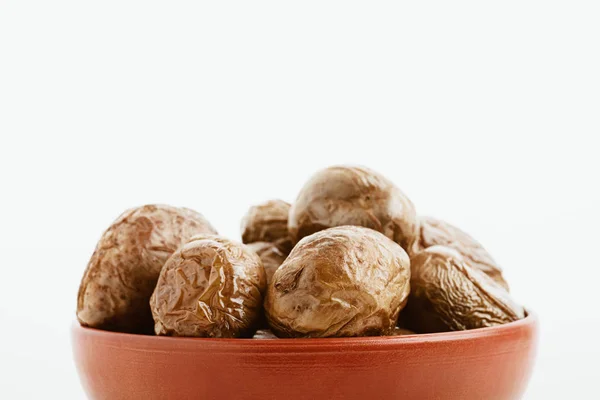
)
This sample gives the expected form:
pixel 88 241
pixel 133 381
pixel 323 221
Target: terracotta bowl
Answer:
pixel 490 363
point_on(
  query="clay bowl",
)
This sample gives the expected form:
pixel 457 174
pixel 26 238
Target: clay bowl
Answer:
pixel 490 363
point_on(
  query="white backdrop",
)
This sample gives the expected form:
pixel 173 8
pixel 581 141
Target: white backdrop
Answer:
pixel 485 113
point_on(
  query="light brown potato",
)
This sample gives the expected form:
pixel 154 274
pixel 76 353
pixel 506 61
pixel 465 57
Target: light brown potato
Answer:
pixel 267 222
pixel 436 232
pixel 271 255
pixel 343 281
pixel 447 294
pixel 352 195
pixel 124 268
pixel 210 287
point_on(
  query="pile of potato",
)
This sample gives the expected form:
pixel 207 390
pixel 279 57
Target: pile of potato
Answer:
pixel 350 257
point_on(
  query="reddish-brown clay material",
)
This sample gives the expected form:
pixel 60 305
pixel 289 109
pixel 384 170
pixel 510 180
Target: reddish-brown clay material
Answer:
pixel 489 363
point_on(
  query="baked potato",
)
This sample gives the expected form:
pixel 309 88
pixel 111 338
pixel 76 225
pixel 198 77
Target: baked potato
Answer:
pixel 342 281
pixel 448 294
pixel 435 232
pixel 122 272
pixel 353 195
pixel 267 222
pixel 210 287
pixel 271 256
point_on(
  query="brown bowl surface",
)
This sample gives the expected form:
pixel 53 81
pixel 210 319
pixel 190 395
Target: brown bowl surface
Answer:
pixel 489 363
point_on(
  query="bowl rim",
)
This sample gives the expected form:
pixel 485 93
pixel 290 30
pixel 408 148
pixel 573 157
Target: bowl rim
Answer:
pixel 529 322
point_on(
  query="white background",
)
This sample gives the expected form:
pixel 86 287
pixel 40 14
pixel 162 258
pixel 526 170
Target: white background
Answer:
pixel 485 113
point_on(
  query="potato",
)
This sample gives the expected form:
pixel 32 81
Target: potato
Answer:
pixel 270 254
pixel 448 294
pixel 436 232
pixel 349 195
pixel 124 268
pixel 343 281
pixel 267 222
pixel 210 287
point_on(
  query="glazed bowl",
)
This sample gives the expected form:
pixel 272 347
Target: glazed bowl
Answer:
pixel 490 363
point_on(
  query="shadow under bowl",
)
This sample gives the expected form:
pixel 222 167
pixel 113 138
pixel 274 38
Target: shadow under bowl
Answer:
pixel 489 363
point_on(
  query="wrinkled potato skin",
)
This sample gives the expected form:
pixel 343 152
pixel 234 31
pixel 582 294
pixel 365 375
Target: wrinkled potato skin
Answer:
pixel 436 232
pixel 124 268
pixel 353 195
pixel 343 281
pixel 267 222
pixel 210 287
pixel 447 294
pixel 271 255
